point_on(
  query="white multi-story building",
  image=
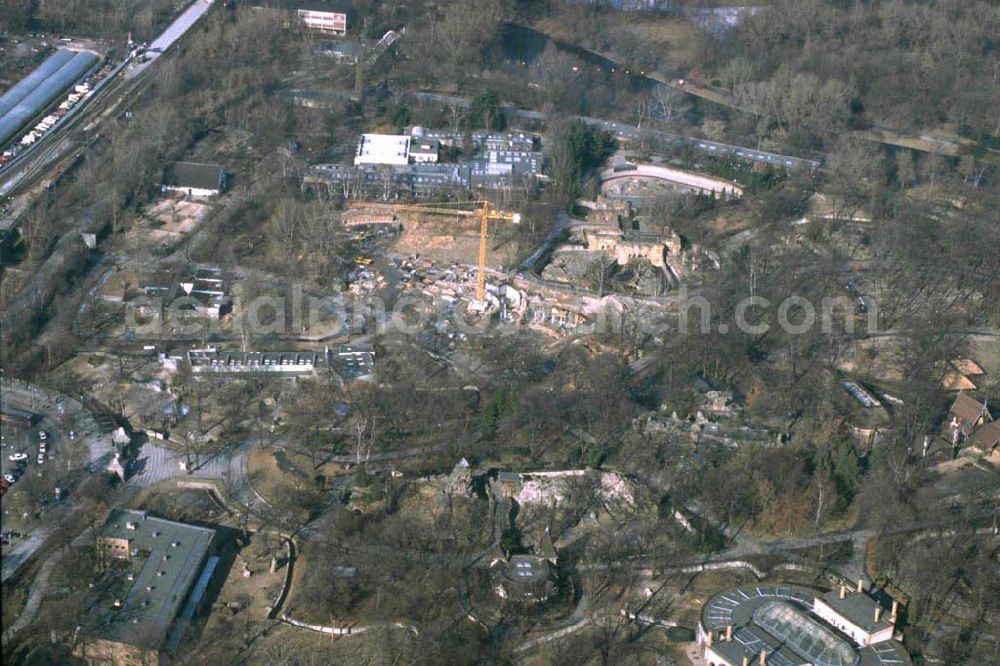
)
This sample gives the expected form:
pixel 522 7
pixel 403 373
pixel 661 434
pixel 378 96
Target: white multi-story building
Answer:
pixel 383 149
pixel 327 17
pixel 855 614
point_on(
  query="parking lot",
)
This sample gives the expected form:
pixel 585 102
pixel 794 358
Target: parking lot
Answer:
pixel 27 442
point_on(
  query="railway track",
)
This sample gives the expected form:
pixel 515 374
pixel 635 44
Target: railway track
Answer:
pixel 55 152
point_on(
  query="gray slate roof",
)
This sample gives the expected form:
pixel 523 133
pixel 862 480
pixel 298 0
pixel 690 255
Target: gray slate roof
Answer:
pixel 193 175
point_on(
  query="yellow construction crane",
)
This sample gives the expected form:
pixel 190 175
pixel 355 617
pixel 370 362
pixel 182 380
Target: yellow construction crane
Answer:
pixel 484 211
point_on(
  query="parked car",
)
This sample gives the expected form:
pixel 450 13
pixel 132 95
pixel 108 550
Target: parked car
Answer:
pixel 7 537
pixel 41 458
pixel 42 435
pixel 17 457
pixel 9 478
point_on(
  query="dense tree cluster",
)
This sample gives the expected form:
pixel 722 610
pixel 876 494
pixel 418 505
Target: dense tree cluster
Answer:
pixel 105 18
pixel 809 66
pixel 572 150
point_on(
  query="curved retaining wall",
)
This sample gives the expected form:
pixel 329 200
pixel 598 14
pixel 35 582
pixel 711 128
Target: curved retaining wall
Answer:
pixel 693 181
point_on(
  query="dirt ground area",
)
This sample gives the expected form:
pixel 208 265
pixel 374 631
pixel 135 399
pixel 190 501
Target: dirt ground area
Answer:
pixel 167 222
pixel 450 239
pixel 292 645
pixel 117 286
pixel 877 358
pixel 138 383
pixel 268 473
pixel 175 218
pixel 184 505
pixel 243 602
pixel 11 281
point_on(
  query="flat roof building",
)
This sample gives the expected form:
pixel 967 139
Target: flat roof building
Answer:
pixel 856 614
pixel 199 293
pixel 482 140
pixel 326 16
pixel 354 361
pixel 285 362
pixel 162 562
pixel 383 149
pixel 424 150
pixel 330 18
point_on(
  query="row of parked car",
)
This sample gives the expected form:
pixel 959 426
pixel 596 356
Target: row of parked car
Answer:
pixel 22 458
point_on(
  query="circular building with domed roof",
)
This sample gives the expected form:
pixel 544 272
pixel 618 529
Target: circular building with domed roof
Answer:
pixel 790 625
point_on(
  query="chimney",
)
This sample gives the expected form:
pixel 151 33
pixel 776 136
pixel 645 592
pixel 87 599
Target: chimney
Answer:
pixel 861 585
pixel 895 608
pixel 763 658
pixel 843 591
pixel 729 632
pixel 878 613
pixel 746 661
pixel 708 639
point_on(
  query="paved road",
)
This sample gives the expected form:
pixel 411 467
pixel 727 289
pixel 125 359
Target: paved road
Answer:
pixel 39 585
pixel 74 417
pixel 562 223
pixel 877 133
pixel 42 401
pixel 629 133
pixel 155 463
pixel 15 556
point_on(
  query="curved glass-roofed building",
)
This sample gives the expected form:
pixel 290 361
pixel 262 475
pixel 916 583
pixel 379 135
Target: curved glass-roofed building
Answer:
pixel 804 635
pixel 25 104
pixel 25 86
pixel 792 625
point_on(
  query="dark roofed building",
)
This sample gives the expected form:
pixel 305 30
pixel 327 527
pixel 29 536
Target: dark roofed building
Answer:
pixel 746 645
pixel 966 414
pixel 424 150
pixel 194 179
pixel 16 417
pixel 529 577
pixel 524 578
pixel 987 438
pixel 546 548
pixel 344 52
pixel 355 361
pixel 167 565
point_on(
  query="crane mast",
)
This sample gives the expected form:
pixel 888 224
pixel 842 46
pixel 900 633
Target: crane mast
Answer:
pixel 484 212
